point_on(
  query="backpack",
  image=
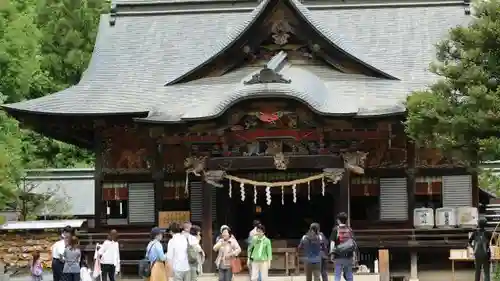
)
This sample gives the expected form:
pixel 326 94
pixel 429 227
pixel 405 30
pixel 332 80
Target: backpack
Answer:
pixel 192 254
pixel 347 245
pixel 145 264
pixel 312 249
pixel 481 245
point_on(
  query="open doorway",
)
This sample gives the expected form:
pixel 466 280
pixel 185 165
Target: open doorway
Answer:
pixel 282 221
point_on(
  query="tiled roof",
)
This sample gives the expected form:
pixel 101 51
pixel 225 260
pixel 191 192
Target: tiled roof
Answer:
pixel 134 59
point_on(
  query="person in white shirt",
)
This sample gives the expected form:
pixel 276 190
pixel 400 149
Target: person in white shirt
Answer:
pixel 58 253
pixel 109 257
pixel 177 255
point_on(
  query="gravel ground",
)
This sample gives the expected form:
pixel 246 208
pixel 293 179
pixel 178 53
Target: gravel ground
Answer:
pixel 431 275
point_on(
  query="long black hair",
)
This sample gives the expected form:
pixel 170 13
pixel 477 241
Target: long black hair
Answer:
pixel 313 233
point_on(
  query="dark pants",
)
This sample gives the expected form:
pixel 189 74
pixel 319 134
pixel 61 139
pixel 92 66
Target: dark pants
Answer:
pixel 482 265
pixel 57 269
pixel 324 272
pixel 313 270
pixel 71 276
pixel 225 274
pixel 108 270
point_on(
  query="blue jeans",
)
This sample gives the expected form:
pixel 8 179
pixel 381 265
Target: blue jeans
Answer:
pixel 343 265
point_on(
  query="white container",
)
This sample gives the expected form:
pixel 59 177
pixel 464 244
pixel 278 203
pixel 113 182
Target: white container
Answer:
pixel 446 217
pixel 423 218
pixel 467 217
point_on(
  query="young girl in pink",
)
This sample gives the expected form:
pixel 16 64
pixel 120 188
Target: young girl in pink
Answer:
pixel 36 268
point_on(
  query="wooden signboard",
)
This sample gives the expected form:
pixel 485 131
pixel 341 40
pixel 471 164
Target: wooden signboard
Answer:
pixel 166 218
pixel 459 254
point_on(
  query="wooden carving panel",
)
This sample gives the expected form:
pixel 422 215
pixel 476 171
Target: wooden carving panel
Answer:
pixel 384 153
pixel 433 158
pixel 126 148
pixel 173 158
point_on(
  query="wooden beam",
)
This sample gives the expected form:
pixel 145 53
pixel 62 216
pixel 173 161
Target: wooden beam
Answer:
pixel 251 135
pixel 310 162
pixel 207 238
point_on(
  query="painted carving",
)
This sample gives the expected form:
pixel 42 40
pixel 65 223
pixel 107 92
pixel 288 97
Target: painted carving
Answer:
pixel 280 161
pixel 214 177
pixel 383 155
pixel 281 30
pixel 333 175
pixel 195 165
pixel 133 159
pixel 125 148
pixel 253 148
pixel 274 147
pixel 355 161
pixel 432 158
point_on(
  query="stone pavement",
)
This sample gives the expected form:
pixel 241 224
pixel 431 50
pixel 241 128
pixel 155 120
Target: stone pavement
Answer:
pixel 429 275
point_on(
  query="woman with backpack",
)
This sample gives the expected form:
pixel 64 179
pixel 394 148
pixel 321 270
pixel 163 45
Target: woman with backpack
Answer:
pixel 227 249
pixel 342 248
pixel 480 243
pixel 313 245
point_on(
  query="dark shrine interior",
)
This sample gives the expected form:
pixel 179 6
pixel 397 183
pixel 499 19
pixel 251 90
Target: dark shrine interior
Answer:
pixel 282 221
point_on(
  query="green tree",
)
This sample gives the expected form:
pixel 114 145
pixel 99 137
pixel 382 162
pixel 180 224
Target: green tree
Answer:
pixel 489 181
pixel 460 113
pixel 10 159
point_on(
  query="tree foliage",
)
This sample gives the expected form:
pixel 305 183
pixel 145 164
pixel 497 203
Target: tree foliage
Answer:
pixel 45 46
pixel 460 113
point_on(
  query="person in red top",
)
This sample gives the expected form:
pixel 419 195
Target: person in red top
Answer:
pixel 343 260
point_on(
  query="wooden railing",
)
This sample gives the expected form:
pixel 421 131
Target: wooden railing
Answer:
pixel 376 238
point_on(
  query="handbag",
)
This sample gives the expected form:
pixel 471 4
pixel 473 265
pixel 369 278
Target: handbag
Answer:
pixel 236 266
pixel 145 264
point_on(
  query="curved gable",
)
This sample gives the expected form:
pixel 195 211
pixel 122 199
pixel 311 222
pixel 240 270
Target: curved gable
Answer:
pixel 264 21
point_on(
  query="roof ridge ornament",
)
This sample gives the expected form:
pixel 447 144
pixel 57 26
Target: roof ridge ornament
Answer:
pixel 270 73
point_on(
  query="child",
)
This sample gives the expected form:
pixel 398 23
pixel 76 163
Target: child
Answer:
pixel 36 267
pixel 85 273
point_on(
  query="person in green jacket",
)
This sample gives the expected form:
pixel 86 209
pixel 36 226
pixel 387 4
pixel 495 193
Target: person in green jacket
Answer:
pixel 260 254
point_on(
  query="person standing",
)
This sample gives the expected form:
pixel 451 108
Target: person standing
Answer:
pixel 177 254
pixel 312 245
pixel 109 254
pixel 72 257
pixel 36 268
pixel 251 234
pixel 343 255
pixel 57 254
pixel 324 254
pixel 196 268
pixel 227 249
pixel 260 254
pixel 156 256
pixel 480 243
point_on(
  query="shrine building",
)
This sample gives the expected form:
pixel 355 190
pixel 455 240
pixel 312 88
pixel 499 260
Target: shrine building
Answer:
pixel 287 111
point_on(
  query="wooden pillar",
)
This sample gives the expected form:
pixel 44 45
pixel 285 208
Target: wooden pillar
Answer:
pixel 342 199
pixel 383 265
pixel 98 175
pixel 158 178
pixel 411 173
pixel 207 238
pixel 157 168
